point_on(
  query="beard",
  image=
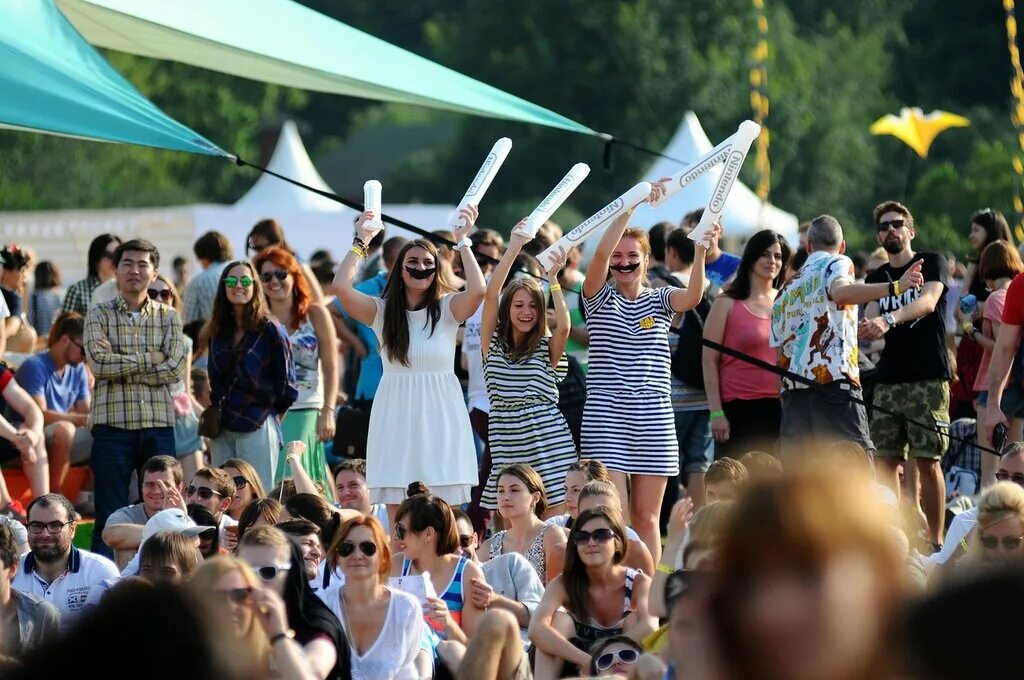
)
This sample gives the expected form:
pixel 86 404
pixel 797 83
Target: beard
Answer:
pixel 50 553
pixel 893 245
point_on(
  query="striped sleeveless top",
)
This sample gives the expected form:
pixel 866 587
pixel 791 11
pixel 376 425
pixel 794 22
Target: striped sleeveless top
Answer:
pixel 529 381
pixel 629 341
pixel 452 595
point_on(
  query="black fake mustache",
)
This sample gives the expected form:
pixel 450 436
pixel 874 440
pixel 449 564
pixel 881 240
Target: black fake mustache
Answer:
pixel 420 273
pixel 625 268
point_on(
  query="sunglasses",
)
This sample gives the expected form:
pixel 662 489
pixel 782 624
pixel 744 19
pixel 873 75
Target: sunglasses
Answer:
pixel 239 596
pixel 234 281
pixel 51 527
pixel 1009 542
pixel 368 548
pixel 1017 479
pixel 162 295
pixel 268 572
pixel 401 532
pixel 465 541
pixel 608 659
pixel 204 492
pixel 581 537
pixel 885 224
pixel 240 482
pixel 279 274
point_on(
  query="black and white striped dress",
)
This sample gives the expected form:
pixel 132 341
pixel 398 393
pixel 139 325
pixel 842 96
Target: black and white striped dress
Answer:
pixel 525 425
pixel 628 422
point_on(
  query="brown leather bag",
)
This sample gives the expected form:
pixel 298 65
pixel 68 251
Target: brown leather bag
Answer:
pixel 209 422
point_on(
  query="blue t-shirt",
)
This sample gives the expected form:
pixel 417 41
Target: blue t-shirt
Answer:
pixel 38 376
pixel 722 269
pixel 371 368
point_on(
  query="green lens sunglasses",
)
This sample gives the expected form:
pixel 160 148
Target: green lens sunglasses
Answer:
pixel 234 281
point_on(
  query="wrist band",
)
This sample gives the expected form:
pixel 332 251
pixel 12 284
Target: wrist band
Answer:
pixel 717 414
pixel 555 287
pixel 968 328
pixel 286 635
pixel 359 251
pixel 896 288
pixel 666 569
pixel 356 241
pixel 464 243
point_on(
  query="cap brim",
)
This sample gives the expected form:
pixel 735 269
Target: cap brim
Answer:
pixel 196 531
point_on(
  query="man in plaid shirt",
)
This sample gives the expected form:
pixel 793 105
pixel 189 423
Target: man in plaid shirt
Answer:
pixel 136 352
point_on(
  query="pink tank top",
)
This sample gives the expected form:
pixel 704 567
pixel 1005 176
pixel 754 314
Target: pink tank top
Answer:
pixel 748 333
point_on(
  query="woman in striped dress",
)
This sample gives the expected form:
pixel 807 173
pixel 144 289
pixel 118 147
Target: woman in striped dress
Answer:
pixel 522 368
pixel 628 421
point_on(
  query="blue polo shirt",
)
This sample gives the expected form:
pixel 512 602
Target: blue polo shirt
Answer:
pixel 38 376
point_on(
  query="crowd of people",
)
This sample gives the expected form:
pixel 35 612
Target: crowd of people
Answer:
pixel 434 459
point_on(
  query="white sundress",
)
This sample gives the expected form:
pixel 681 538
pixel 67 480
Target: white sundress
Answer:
pixel 419 426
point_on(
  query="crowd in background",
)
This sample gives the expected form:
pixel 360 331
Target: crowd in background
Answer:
pixel 435 459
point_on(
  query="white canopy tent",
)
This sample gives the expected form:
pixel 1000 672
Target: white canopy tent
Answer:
pixel 745 213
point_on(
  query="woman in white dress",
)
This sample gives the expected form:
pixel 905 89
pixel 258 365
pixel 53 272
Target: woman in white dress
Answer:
pixel 419 426
pixel 384 627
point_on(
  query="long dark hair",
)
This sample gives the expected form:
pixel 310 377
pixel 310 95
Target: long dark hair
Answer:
pixel 97 251
pixel 760 242
pixel 395 332
pixel 995 226
pixel 222 320
pixel 574 572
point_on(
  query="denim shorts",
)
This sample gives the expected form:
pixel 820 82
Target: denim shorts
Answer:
pixel 696 447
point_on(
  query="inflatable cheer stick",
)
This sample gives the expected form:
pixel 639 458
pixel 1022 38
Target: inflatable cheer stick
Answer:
pixel 543 212
pixel 488 171
pixel 596 223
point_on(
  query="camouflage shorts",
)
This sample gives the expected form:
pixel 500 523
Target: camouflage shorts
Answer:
pixel 926 402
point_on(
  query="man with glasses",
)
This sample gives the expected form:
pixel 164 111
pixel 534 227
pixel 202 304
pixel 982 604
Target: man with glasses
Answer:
pixel 58 382
pixel 814 327
pixel 213 489
pixel 124 529
pixel 136 350
pixel 55 569
pixel 913 372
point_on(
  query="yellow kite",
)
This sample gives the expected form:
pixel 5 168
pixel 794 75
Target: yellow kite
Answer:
pixel 916 129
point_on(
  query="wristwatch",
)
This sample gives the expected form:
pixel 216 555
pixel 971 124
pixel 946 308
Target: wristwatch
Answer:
pixel 889 319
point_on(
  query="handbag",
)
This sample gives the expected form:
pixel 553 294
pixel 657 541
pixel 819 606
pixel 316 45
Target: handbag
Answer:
pixel 210 418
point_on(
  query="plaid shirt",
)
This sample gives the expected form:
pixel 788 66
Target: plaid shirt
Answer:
pixel 254 381
pixel 201 291
pixel 131 392
pixel 79 296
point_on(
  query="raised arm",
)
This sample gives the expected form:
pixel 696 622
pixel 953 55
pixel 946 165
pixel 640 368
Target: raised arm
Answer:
pixel 465 304
pixel 684 299
pixel 714 330
pixel 360 306
pixel 492 296
pixel 843 292
pixel 597 271
pixel 562 323
pixel 327 348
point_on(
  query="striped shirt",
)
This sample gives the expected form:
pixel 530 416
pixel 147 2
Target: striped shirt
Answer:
pixel 629 341
pixel 131 392
pixel 529 380
pixel 79 295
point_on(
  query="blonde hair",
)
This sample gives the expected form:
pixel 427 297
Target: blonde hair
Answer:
pixel 254 647
pixel 1003 501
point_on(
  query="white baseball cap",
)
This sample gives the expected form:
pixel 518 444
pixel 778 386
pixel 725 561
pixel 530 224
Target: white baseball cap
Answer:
pixel 172 519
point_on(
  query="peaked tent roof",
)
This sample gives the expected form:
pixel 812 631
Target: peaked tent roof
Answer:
pixel 271 195
pixel 280 41
pixel 52 81
pixel 745 213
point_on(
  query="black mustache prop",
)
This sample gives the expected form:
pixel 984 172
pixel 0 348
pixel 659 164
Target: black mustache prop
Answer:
pixel 625 268
pixel 421 273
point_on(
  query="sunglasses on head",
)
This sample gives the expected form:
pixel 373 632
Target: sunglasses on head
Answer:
pixel 268 572
pixel 1017 479
pixel 279 274
pixel 581 537
pixel 162 295
pixel 608 659
pixel 885 224
pixel 368 548
pixel 241 596
pixel 234 281
pixel 1009 542
pixel 204 492
pixel 465 540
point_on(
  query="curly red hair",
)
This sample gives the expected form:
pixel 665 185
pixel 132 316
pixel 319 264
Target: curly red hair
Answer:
pixel 301 295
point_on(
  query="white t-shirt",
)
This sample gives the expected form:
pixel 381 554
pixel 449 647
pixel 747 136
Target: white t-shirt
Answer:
pixel 476 391
pixel 392 655
pixel 69 591
pixel 105 292
pixel 962 525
